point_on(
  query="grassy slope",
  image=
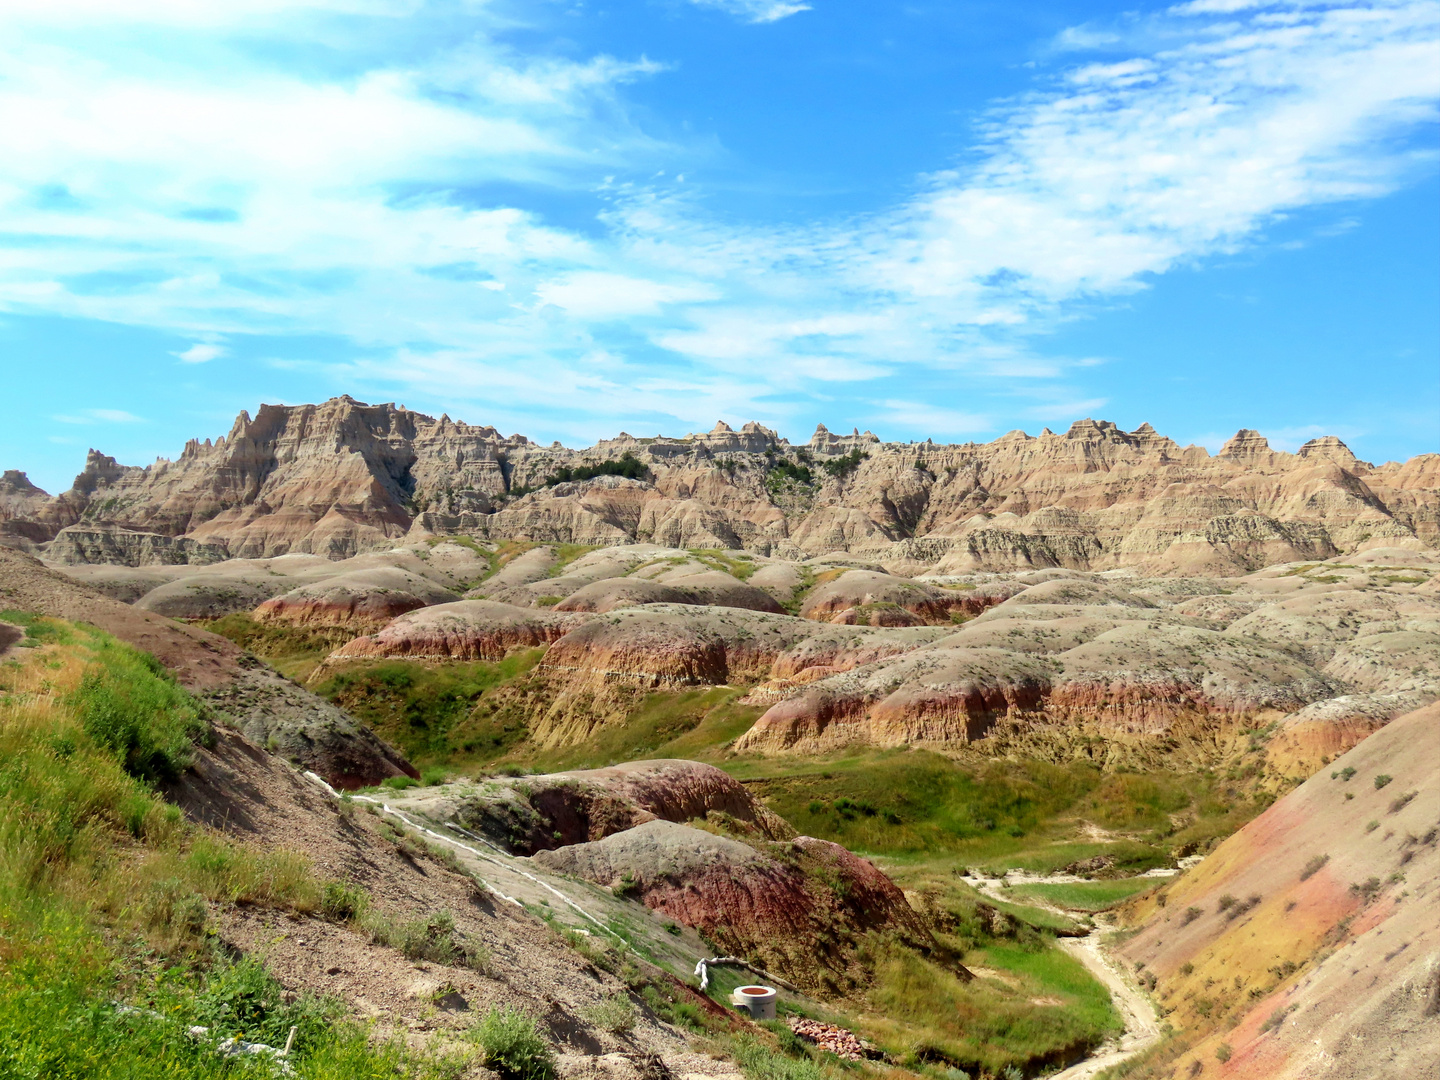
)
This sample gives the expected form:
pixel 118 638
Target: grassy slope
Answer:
pixel 104 888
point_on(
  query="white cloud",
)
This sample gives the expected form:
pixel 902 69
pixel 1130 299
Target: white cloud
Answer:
pixel 756 11
pixel 1060 411
pixel 201 352
pixel 594 295
pixel 100 416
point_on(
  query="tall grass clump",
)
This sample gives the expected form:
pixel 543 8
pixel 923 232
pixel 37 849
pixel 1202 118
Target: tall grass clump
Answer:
pixel 128 703
pixel 512 1044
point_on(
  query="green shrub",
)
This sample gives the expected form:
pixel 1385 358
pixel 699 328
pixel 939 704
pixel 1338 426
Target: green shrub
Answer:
pixel 785 1037
pixel 1222 1053
pixel 433 938
pixel 758 1062
pixel 434 774
pixel 129 704
pixel 399 783
pixel 1382 779
pixel 342 902
pixel 513 1045
pixel 843 466
pixel 614 1014
pixel 242 998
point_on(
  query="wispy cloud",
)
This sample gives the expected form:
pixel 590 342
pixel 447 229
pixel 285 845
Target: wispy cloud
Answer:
pixel 214 188
pixel 756 11
pixel 100 416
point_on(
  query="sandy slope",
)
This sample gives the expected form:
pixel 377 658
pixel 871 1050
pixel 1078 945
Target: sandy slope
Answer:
pixel 1331 968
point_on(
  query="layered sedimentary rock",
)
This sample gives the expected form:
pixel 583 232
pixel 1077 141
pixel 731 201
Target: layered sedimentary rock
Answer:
pixel 777 903
pixel 343 477
pixel 1306 945
pixel 464 630
pixel 1060 664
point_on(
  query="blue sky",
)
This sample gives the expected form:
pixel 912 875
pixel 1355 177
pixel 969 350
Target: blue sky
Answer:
pixel 570 218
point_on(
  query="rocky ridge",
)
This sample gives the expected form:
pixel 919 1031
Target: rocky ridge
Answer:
pixel 342 477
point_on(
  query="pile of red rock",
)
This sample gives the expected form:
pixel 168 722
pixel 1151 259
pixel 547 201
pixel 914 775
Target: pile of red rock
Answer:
pixel 838 1041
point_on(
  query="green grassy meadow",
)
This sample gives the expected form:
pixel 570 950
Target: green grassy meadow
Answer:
pixel 1086 895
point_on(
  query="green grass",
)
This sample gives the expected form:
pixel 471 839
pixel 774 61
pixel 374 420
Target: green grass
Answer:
pixel 738 566
pixel 128 703
pixel 993 1024
pixel 513 1045
pixel 1087 895
pixel 565 554
pixel 918 803
pixel 689 724
pixel 105 891
pixel 294 651
pixel 38 629
pixel 423 708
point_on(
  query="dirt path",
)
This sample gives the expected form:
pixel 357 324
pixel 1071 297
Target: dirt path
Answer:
pixel 1142 1025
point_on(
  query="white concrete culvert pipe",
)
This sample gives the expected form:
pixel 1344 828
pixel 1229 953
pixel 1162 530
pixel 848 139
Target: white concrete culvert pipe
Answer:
pixel 758 1001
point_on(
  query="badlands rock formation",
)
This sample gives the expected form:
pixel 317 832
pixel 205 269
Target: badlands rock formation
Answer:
pixel 342 477
pixel 739 874
pixel 1059 664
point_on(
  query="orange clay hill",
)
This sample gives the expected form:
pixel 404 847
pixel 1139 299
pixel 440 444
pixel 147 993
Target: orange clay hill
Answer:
pixel 1308 945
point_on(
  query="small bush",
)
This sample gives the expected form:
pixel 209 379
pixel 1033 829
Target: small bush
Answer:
pixel 1187 968
pixel 1238 909
pixel 1382 779
pixel 399 783
pixel 1275 1020
pixel 243 998
pixel 1402 802
pixel 434 774
pixel 512 1045
pixel 788 1041
pixel 1346 773
pixel 1226 903
pixel 1367 889
pixel 1312 867
pixel 1372 825
pixel 1222 1053
pixel 615 1014
pixel 341 902
pixel 759 1062
pixel 434 938
pixel 1191 914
